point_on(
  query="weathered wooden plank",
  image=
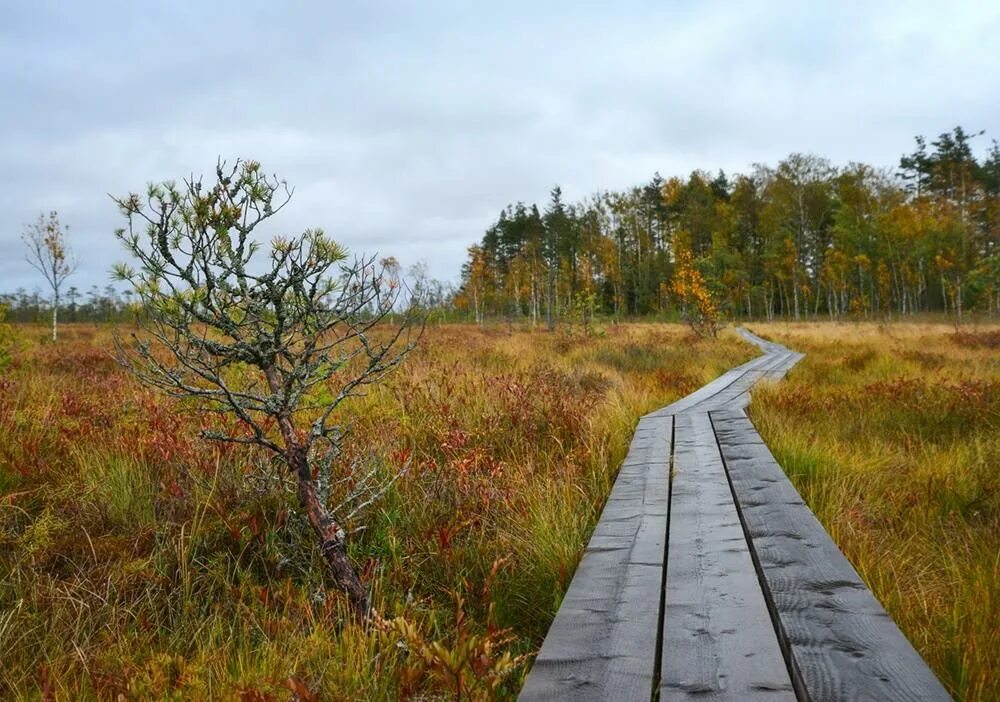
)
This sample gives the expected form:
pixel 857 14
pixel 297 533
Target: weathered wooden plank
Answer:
pixel 737 395
pixel 842 644
pixel 779 361
pixel 761 343
pixel 648 444
pixel 602 643
pixel 731 390
pixel 718 639
pixel 712 389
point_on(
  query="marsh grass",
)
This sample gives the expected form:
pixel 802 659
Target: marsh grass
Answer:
pixel 117 487
pixel 892 435
pixel 137 560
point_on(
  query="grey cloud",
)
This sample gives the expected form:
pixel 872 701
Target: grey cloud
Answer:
pixel 407 127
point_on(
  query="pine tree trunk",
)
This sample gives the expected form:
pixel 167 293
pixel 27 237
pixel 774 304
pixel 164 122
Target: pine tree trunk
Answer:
pixel 331 536
pixel 958 299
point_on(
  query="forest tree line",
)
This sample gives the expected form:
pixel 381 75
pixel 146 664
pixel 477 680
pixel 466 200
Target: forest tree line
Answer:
pixel 93 305
pixel 801 239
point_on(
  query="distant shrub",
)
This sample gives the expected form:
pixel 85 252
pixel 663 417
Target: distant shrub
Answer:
pixel 859 360
pixel 926 359
pixel 977 339
pixel 6 339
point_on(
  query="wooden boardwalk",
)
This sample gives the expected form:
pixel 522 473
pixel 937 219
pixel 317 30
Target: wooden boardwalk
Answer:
pixel 707 576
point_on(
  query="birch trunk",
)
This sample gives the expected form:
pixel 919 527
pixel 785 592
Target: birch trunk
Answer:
pixel 55 313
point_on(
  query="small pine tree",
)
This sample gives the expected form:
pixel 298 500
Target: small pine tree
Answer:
pixel 278 342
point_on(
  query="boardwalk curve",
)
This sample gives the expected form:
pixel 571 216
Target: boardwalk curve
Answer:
pixel 707 577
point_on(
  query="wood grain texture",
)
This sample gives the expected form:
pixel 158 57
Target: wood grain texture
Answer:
pixel 718 639
pixel 602 643
pixel 842 644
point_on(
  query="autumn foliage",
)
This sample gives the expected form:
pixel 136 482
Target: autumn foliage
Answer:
pixel 697 304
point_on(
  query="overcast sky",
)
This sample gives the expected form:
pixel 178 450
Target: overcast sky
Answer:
pixel 406 127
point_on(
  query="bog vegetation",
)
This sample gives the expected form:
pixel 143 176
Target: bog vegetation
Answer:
pixel 136 559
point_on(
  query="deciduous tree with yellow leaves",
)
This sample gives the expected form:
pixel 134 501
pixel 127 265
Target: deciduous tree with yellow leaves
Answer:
pixel 698 307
